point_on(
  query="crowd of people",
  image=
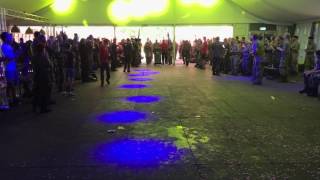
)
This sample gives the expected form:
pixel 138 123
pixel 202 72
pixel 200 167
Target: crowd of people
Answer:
pixel 33 69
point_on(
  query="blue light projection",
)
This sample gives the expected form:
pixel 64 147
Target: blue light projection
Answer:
pixel 133 86
pixel 145 73
pixel 123 117
pixel 143 99
pixel 139 153
pixel 142 70
pixel 140 79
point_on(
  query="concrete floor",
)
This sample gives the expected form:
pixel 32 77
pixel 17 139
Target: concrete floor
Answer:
pixel 225 127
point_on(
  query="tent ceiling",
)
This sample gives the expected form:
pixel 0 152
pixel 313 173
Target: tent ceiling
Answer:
pixel 28 6
pixel 281 11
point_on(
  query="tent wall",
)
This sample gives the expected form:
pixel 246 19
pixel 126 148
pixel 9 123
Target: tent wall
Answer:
pixel 303 30
pixel 241 30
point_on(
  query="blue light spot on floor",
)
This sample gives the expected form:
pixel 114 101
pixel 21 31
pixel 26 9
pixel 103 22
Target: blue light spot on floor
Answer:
pixel 146 73
pixel 139 153
pixel 141 79
pixel 133 86
pixel 142 70
pixel 143 99
pixel 123 117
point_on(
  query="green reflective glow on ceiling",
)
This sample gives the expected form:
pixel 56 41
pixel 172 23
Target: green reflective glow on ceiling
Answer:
pixel 122 12
pixel 63 7
pixel 202 3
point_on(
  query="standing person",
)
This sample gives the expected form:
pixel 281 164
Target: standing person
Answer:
pixel 258 51
pixel 204 51
pixel 164 49
pixel 170 52
pixel 148 51
pixel 226 61
pixel 69 64
pixel 295 47
pixel 42 80
pixel 157 52
pixel 198 45
pixel 311 79
pixel 75 49
pixel 104 62
pixel 310 52
pixel 218 53
pixel 186 52
pixel 84 61
pixel 284 49
pixel 245 58
pixel 127 55
pixel 4 103
pixel 235 57
pixel 113 54
pixel 11 71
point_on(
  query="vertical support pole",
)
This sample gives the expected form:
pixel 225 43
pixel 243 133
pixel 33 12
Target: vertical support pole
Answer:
pixel 174 45
pixel 3 23
pixel 114 32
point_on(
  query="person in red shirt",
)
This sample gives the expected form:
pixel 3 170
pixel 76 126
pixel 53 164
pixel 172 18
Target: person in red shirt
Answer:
pixel 204 49
pixel 164 52
pixel 104 62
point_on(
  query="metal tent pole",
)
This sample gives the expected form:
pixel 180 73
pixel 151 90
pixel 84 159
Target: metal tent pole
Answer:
pixel 3 25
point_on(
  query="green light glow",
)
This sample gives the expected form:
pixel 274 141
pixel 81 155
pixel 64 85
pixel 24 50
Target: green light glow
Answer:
pixel 85 23
pixel 203 3
pixel 63 6
pixel 124 11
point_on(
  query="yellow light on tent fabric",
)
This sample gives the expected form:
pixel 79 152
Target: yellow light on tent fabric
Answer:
pixel 63 6
pixel 203 3
pixel 123 11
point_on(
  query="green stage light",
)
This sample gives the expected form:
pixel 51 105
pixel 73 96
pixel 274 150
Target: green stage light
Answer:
pixel 85 23
pixel 119 12
pixel 123 11
pixel 63 6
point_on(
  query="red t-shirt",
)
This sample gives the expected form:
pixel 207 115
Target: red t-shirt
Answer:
pixel 104 54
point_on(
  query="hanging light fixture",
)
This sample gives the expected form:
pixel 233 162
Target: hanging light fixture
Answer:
pixel 15 29
pixel 29 31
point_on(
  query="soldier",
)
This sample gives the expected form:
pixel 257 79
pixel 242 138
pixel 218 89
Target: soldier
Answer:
pixel 218 54
pixel 157 52
pixel 164 49
pixel 186 52
pixel 295 47
pixel 148 51
pixel 127 55
pixel 310 51
pixel 258 52
pixel 235 57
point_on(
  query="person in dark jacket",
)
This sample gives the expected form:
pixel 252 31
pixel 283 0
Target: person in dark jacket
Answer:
pixel 127 55
pixel 42 78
